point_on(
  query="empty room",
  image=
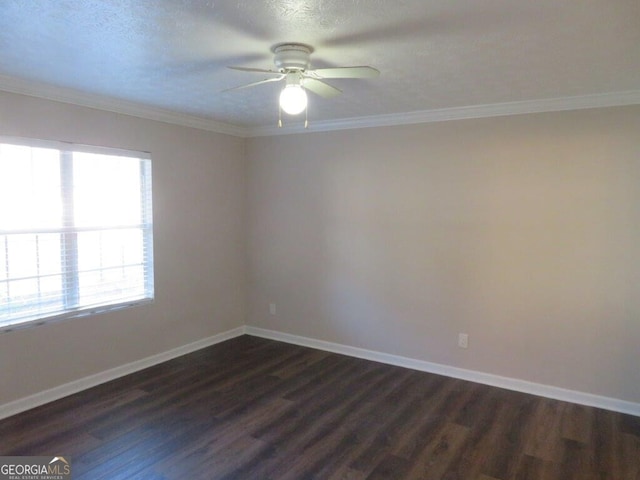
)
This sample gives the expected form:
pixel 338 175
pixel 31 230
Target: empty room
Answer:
pixel 320 239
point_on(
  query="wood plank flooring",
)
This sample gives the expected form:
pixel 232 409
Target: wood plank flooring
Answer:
pixel 251 408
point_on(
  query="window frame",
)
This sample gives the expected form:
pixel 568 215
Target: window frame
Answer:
pixel 66 150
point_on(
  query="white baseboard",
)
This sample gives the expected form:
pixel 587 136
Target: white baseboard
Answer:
pixel 515 384
pixel 76 386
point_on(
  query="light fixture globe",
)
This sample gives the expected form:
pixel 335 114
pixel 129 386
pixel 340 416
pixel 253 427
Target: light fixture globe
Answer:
pixel 293 99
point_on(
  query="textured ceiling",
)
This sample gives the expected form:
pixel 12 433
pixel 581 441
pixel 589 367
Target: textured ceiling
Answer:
pixel 432 54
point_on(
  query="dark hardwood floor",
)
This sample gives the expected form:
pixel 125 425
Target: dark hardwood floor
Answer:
pixel 251 408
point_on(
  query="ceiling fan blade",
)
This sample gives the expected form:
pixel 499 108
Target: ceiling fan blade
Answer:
pixel 268 80
pixel 345 72
pixel 320 88
pixel 256 70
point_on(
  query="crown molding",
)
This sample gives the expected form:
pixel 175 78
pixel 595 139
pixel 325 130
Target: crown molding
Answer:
pixel 74 97
pixel 65 95
pixel 614 99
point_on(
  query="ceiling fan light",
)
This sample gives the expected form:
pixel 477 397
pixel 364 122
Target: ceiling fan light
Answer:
pixel 293 99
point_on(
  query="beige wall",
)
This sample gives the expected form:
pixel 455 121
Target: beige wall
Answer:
pixel 522 231
pixel 198 202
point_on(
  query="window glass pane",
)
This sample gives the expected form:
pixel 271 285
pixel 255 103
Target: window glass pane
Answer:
pixel 33 269
pixel 113 285
pixel 110 263
pixel 51 297
pixel 3 257
pixel 109 248
pixel 29 187
pixel 106 190
pixel 23 260
pixel 113 248
pixel 89 251
pixel 133 241
pixel 77 233
pixel 23 294
pixel 49 254
pixel 4 298
pixel 33 297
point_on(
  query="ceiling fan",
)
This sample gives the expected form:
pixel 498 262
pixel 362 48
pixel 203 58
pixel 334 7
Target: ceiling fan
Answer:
pixel 292 61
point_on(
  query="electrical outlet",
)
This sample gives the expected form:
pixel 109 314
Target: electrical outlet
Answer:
pixel 272 308
pixel 463 340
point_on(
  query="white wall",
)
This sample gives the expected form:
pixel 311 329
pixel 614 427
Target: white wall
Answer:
pixel 199 241
pixel 522 231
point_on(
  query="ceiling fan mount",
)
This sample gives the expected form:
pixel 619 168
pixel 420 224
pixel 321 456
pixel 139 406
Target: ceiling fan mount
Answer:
pixel 292 56
pixel 293 65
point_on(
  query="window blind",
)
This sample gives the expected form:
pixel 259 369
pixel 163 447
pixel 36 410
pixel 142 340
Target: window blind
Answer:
pixel 76 230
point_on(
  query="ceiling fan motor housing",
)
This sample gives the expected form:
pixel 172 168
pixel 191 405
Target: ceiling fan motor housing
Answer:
pixel 292 56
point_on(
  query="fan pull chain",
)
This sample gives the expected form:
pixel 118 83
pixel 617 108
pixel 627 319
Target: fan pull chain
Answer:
pixel 306 117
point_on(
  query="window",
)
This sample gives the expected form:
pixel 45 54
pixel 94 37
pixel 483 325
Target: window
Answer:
pixel 75 230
